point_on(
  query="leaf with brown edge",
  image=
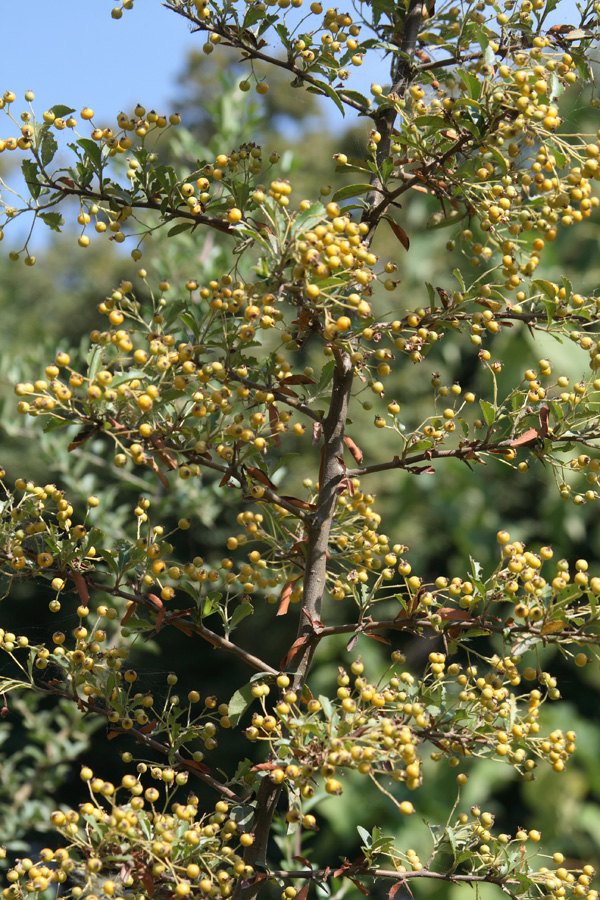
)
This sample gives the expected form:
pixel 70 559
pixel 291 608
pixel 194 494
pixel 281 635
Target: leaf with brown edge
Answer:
pixel 354 449
pixel 274 422
pixel 149 726
pixel 297 379
pixel 303 892
pixel 82 588
pixel 301 504
pixel 543 416
pixel 286 593
pixel 296 646
pixel 165 455
pixel 351 643
pixel 259 475
pixel 378 637
pixel 448 612
pixel 460 616
pixel 128 614
pixel 305 862
pixel 303 320
pixel 551 627
pixel 148 882
pixel 399 232
pixel 527 439
pixel 81 437
pixel 200 767
pixel 161 475
pixel 282 389
pixel 183 627
pixel 395 888
pixel 156 600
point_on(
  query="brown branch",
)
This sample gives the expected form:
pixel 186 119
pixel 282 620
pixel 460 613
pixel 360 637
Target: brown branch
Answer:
pixel 212 637
pixel 466 452
pixel 142 738
pixel 252 52
pixel 318 527
pixel 331 473
pixel 360 871
pixel 384 120
pixel 417 624
pixel 174 213
pixel 279 395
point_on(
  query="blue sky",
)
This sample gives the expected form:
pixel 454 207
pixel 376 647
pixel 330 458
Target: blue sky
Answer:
pixel 74 52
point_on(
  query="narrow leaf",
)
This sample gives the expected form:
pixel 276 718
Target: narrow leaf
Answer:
pixel 400 233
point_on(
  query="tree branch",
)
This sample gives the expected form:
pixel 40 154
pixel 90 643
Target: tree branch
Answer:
pixel 402 75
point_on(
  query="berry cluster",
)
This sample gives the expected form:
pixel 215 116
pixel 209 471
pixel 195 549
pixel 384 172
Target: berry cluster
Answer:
pixel 176 847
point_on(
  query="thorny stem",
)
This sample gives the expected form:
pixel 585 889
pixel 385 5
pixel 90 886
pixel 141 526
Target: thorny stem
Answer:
pixel 356 871
pixel 252 52
pixel 146 739
pixel 467 452
pixel 318 527
pixel 173 212
pixel 402 74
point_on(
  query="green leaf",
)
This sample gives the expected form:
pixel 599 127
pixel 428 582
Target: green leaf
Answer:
pixel 266 22
pixel 310 216
pixel 30 174
pixel 48 148
pixel 364 836
pixel 110 562
pixel 327 89
pixel 556 87
pixel 459 277
pixel 61 111
pixel 240 613
pixel 326 375
pixel 190 322
pixel 180 228
pixel 242 815
pixel 53 423
pixel 92 150
pixel 326 705
pixel 94 361
pixel 284 34
pixel 489 413
pixel 524 645
pixel 351 190
pixel 9 684
pixel 546 287
pixel 239 703
pixel 500 159
pixel 472 84
pixel 253 15
pixel 357 97
pixel 451 839
pixel 53 220
pixel 243 768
